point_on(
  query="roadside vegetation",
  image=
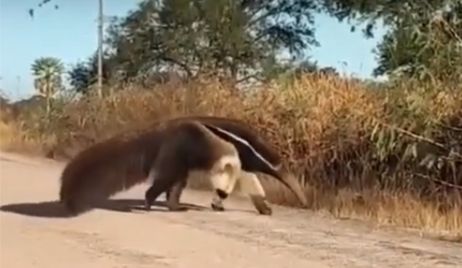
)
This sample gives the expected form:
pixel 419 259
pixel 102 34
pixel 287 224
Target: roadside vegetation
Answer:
pixel 389 152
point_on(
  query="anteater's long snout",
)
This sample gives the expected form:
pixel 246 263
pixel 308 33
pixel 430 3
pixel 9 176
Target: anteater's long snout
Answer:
pixel 257 155
pixel 291 182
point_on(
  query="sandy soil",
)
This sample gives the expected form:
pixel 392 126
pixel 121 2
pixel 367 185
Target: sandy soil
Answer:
pixel 34 233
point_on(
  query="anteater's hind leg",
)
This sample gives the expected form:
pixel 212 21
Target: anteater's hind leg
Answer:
pixel 251 185
pixel 179 185
pixel 174 194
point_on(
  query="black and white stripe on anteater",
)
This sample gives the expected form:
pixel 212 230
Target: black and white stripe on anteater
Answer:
pixel 167 153
pixel 254 161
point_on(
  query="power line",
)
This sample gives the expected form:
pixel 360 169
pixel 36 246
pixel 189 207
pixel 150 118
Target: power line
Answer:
pixel 100 49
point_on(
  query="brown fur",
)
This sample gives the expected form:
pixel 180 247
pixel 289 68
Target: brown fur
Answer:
pixel 125 160
pixel 188 146
pixel 256 140
pixel 251 163
pixel 106 168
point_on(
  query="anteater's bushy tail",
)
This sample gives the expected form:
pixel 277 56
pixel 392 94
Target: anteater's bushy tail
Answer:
pixel 101 171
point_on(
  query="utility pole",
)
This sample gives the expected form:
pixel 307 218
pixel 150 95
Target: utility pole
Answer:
pixel 100 49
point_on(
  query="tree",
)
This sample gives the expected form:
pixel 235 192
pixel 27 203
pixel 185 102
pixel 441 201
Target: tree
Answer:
pixel 48 77
pixel 426 45
pixel 81 77
pixel 84 73
pixel 231 39
pixel 424 37
pixel 237 39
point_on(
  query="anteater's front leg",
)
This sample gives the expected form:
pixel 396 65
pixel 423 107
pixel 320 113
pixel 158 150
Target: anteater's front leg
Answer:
pixel 223 182
pixel 251 185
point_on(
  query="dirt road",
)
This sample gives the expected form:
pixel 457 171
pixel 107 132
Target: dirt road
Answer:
pixel 34 233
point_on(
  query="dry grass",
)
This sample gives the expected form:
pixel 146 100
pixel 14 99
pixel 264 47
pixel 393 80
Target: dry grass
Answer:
pixel 12 138
pixel 357 150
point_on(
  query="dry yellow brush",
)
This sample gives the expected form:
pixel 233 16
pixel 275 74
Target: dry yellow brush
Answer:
pixel 13 138
pixel 359 150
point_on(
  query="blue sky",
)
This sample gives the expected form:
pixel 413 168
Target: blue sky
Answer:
pixel 70 34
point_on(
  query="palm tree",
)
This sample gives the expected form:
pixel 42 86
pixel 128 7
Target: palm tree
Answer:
pixel 48 80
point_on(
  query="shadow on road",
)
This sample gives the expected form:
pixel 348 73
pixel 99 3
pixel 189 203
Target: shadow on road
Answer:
pixel 54 209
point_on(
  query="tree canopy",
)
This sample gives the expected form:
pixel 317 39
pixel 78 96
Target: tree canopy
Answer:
pixel 226 38
pixel 426 45
pixel 48 77
pixel 424 40
pixel 241 40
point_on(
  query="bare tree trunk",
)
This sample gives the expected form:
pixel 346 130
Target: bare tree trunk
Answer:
pixel 48 105
pixel 48 99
